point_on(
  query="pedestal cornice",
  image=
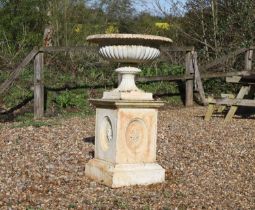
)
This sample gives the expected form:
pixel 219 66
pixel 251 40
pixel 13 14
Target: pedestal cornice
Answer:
pixel 105 103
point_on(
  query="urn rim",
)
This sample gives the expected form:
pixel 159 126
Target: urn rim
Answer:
pixel 113 39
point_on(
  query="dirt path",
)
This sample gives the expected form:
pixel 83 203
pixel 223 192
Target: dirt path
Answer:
pixel 208 165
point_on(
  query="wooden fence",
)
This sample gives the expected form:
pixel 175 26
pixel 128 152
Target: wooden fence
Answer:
pixel 192 76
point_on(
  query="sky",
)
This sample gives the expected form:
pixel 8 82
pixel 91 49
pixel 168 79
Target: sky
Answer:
pixel 151 6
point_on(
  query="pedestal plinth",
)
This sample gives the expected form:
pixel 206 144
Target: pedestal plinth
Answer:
pixel 125 143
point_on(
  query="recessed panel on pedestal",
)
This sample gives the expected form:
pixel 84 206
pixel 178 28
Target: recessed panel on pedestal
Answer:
pixel 105 144
pixel 136 137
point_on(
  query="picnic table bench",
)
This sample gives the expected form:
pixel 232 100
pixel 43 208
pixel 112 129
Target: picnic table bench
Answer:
pixel 228 100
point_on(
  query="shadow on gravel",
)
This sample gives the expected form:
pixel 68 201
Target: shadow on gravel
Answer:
pixel 241 113
pixel 90 140
pixel 246 112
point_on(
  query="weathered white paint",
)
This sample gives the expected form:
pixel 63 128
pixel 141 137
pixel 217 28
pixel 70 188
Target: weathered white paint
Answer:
pixel 129 38
pixel 119 175
pixel 129 49
pixel 127 89
pixel 129 53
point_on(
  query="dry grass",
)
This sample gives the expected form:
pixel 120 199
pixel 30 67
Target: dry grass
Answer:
pixel 208 164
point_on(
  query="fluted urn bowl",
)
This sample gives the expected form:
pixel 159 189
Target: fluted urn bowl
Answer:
pixel 129 49
pixel 129 53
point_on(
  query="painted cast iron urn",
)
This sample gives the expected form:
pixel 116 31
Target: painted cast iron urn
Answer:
pixel 129 50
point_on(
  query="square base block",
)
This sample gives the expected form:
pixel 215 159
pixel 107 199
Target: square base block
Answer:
pixel 125 143
pixel 119 175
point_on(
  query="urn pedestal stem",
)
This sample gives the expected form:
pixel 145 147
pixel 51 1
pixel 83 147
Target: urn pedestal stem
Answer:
pixel 127 89
pixel 127 83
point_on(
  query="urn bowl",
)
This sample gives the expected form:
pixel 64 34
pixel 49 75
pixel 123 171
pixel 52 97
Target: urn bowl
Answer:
pixel 128 48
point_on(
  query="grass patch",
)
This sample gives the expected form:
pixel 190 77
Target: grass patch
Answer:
pixel 162 69
pixel 72 206
pixel 120 203
pixel 19 91
pixel 27 119
pixel 34 123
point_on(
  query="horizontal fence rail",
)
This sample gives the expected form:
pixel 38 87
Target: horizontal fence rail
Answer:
pixel 188 77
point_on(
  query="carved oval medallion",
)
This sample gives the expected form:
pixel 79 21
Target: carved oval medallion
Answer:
pixel 106 133
pixel 136 134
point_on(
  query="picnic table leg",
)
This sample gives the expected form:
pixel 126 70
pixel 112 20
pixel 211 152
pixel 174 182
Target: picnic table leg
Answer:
pixel 210 109
pixel 221 108
pixel 243 91
pixel 209 112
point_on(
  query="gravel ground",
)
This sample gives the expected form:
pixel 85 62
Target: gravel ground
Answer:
pixel 208 165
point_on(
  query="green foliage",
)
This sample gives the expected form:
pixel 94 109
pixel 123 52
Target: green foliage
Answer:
pixel 121 204
pixel 69 76
pixel 73 98
pixel 170 91
pixel 146 207
pixel 16 95
pixel 160 87
pixel 70 99
pixel 72 206
pixel 68 102
pixel 218 26
pixel 240 23
pixel 162 69
pixel 118 13
pixel 64 100
pixel 21 24
pixel 217 86
pixel 20 90
pixel 3 76
pixel 33 123
pixel 27 119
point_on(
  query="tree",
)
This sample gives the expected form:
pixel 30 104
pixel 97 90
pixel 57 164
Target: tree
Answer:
pixel 118 13
pixel 21 23
pixel 214 25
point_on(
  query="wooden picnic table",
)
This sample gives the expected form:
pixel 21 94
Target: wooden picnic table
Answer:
pixel 229 100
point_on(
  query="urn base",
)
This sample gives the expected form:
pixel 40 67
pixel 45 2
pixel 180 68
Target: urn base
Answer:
pixel 132 95
pixel 120 175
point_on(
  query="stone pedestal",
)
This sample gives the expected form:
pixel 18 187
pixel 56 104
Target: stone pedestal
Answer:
pixel 125 146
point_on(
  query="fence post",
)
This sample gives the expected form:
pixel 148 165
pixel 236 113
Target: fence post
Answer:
pixel 38 86
pixel 189 82
pixel 198 81
pixel 248 60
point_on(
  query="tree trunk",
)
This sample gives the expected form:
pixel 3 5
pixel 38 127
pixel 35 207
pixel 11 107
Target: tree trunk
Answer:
pixel 204 30
pixel 214 7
